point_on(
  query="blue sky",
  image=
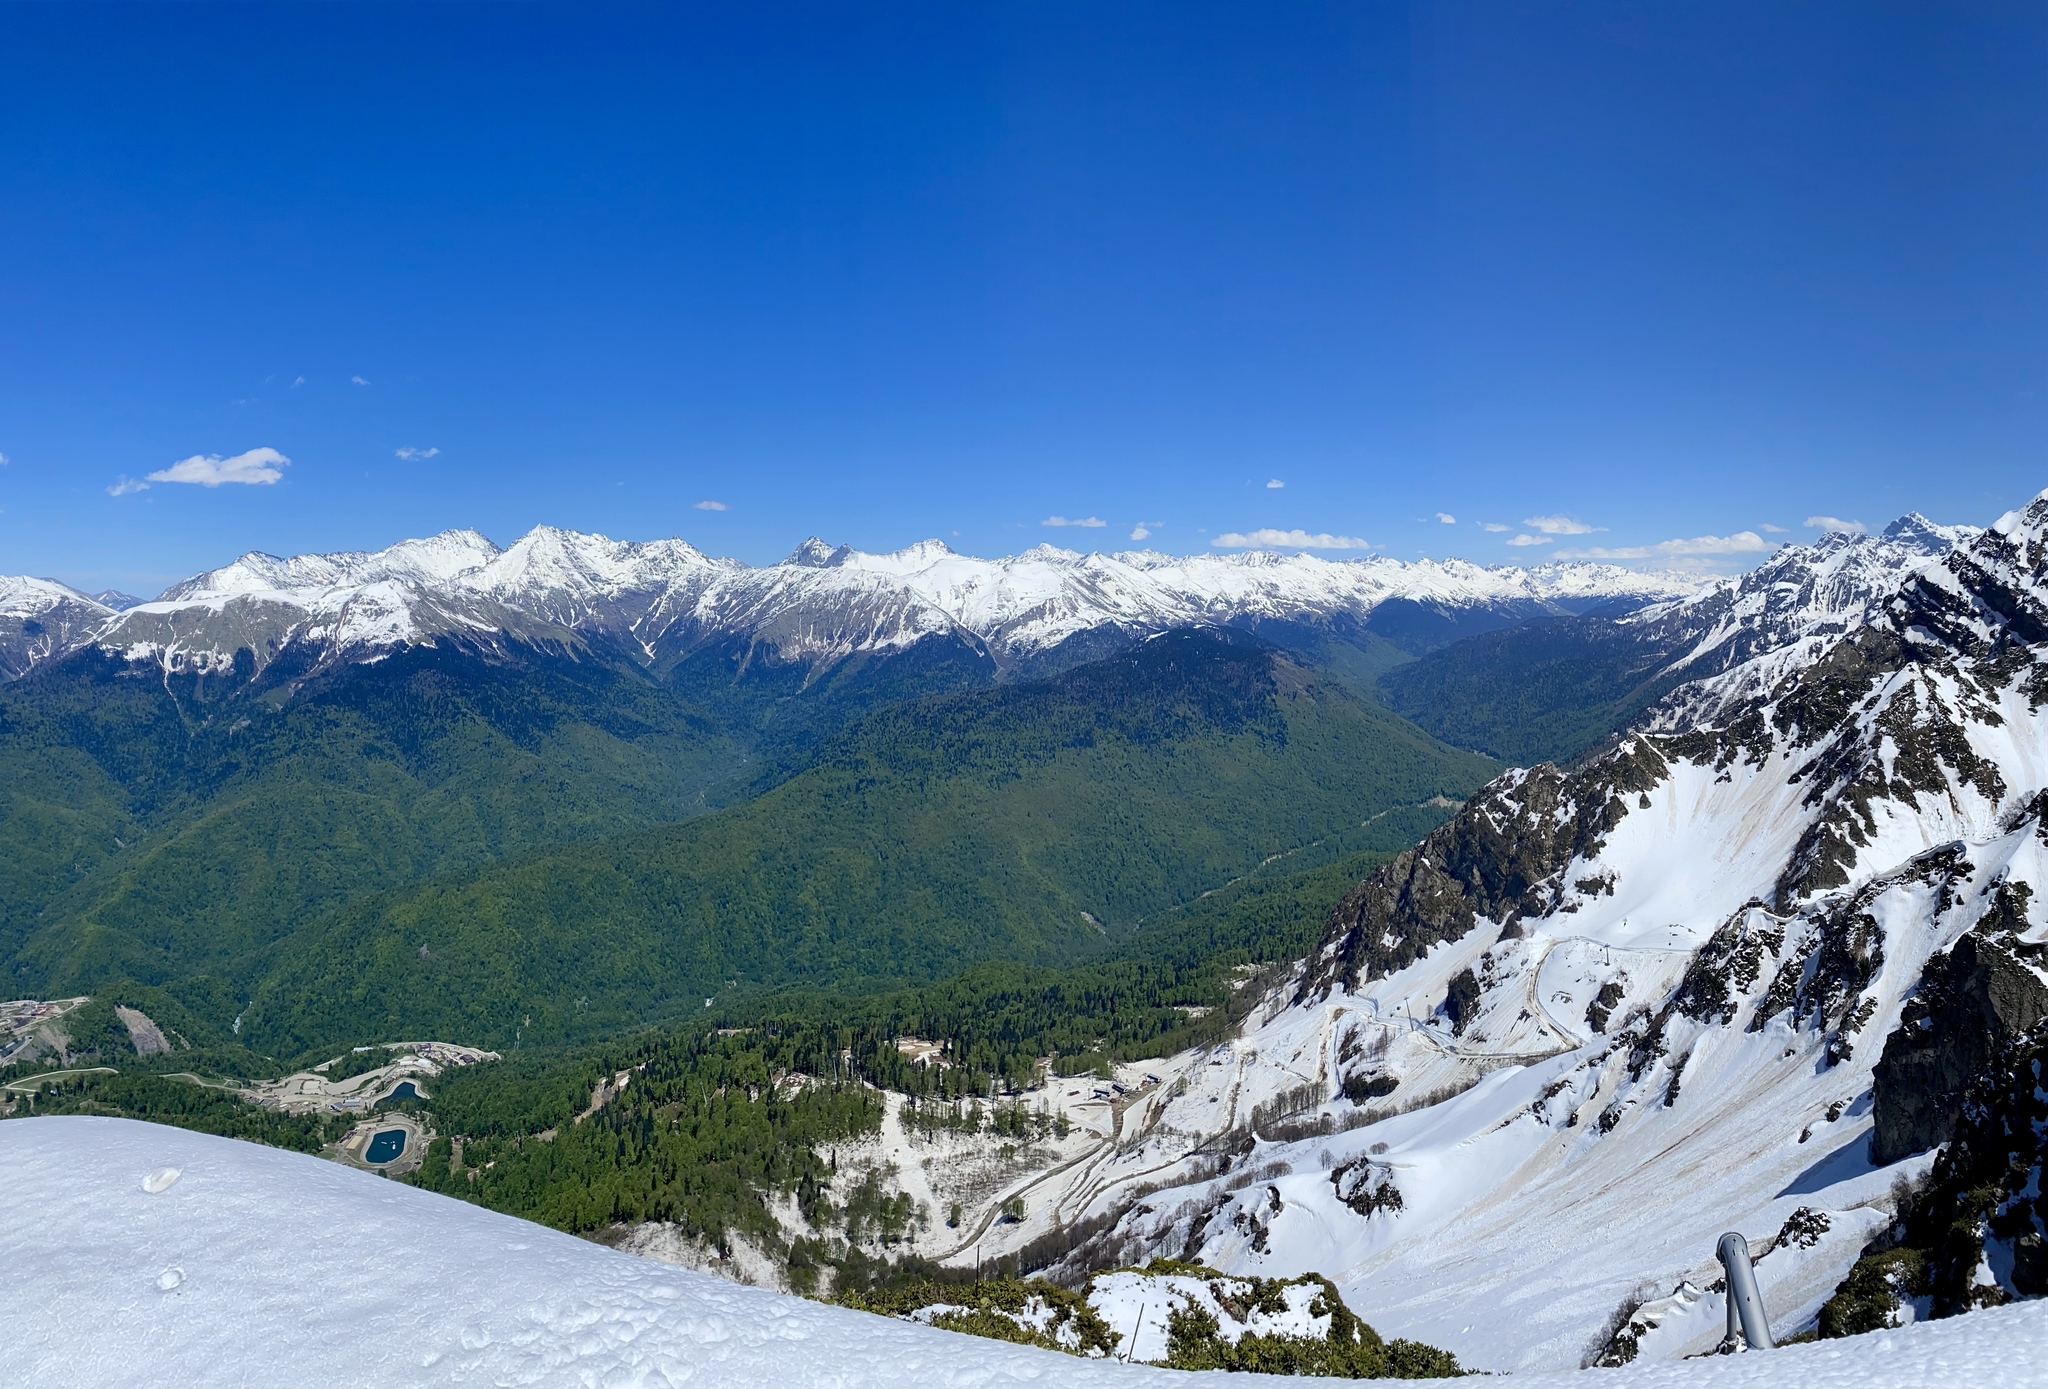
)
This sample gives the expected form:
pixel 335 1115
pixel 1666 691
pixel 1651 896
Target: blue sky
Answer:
pixel 1604 276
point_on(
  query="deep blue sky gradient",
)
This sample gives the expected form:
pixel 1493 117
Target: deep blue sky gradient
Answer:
pixel 881 272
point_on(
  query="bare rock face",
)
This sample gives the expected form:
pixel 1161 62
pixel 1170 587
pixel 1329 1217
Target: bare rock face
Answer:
pixel 1981 1208
pixel 1972 1002
pixel 148 1037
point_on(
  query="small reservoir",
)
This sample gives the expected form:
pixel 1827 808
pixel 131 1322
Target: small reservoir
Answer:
pixel 385 1146
pixel 405 1091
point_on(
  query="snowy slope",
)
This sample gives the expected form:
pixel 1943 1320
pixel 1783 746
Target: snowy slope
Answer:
pixel 261 1267
pixel 1789 610
pixel 1605 1014
pixel 41 618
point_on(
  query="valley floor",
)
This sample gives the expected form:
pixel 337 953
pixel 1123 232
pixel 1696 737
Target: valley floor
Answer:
pixel 259 1266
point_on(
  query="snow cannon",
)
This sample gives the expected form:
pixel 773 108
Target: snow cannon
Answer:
pixel 1746 1320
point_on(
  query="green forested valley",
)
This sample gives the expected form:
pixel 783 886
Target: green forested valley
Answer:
pixel 530 847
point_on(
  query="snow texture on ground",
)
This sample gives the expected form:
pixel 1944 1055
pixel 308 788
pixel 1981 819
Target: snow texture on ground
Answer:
pixel 263 1267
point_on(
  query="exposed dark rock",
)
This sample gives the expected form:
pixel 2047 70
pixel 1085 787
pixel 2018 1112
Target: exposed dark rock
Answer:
pixel 1724 970
pixel 1461 1004
pixel 1367 1188
pixel 1971 1002
pixel 1603 1005
pixel 1802 1229
pixel 1982 1204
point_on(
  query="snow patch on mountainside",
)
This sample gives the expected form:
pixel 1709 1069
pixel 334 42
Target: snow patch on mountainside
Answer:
pixel 258 1266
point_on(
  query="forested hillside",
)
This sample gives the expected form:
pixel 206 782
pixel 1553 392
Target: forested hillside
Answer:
pixel 499 842
pixel 1035 823
pixel 159 829
pixel 1544 691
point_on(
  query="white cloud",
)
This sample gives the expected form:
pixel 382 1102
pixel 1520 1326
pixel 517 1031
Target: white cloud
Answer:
pixel 1835 523
pixel 1740 543
pixel 1530 540
pixel 257 466
pixel 1268 538
pixel 1774 530
pixel 1089 521
pixel 417 453
pixel 1274 482
pixel 1447 518
pixel 1494 526
pixel 297 382
pixel 125 484
pixel 708 505
pixel 1143 530
pixel 1608 552
pixel 1559 525
pixel 4 460
pixel 353 380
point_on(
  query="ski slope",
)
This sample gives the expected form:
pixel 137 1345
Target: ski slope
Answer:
pixel 256 1266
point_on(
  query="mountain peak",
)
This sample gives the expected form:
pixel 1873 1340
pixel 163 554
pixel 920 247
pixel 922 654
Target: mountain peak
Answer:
pixel 817 554
pixel 1929 537
pixel 2030 520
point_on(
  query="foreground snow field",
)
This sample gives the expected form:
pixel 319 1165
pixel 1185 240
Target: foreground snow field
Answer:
pixel 256 1266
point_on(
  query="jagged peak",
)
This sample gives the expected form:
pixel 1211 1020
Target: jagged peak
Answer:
pixel 1930 537
pixel 814 553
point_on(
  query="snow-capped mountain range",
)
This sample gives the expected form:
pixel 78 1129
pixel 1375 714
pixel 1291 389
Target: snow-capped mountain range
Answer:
pixel 1733 973
pixel 663 599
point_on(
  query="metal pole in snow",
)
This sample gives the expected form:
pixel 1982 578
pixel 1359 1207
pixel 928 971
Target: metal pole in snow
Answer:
pixel 1745 1302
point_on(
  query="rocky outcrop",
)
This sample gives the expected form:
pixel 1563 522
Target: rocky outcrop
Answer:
pixel 1498 858
pixel 1973 1236
pixel 1971 1002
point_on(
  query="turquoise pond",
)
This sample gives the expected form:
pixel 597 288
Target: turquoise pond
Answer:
pixel 385 1146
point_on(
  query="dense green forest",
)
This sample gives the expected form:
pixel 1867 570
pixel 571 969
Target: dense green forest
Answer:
pixel 176 1100
pixel 155 833
pixel 531 848
pixel 712 1120
pixel 1036 822
pixel 1542 691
